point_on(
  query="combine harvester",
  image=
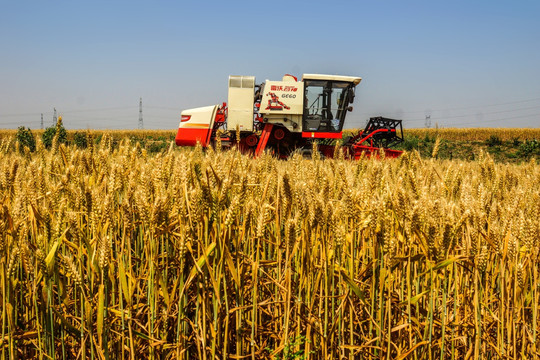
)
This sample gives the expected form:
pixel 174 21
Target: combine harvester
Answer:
pixel 287 116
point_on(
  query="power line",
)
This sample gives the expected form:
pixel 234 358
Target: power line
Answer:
pixel 474 114
pixel 140 114
pixel 475 107
pixel 24 114
pixel 100 109
pixel 178 109
pixel 20 122
pixel 101 118
pixel 487 113
pixel 162 108
pixel 501 119
pixel 477 121
pixel 70 111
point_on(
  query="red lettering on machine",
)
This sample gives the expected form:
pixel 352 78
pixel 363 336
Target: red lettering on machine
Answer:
pixel 283 88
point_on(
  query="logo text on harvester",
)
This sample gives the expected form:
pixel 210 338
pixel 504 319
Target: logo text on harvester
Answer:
pixel 283 88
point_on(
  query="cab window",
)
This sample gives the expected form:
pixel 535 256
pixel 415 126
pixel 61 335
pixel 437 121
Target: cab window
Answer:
pixel 325 105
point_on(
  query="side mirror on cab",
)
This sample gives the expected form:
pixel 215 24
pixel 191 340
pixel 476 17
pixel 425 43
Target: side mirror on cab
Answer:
pixel 351 97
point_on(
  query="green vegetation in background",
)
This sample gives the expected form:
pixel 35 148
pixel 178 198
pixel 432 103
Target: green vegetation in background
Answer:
pixel 51 132
pixel 505 145
pixel 25 138
pixel 502 151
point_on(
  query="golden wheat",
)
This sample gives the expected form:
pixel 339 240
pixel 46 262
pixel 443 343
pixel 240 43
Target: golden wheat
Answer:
pixel 110 252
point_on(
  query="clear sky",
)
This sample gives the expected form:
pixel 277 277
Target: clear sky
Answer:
pixel 464 63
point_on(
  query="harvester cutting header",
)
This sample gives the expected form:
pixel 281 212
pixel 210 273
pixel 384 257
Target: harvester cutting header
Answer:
pixel 286 116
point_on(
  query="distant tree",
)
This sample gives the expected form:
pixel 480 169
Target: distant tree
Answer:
pixel 80 139
pixel 50 133
pixel 26 138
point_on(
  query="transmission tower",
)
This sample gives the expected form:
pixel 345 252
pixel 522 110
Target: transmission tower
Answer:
pixel 41 121
pixel 55 118
pixel 428 121
pixel 140 114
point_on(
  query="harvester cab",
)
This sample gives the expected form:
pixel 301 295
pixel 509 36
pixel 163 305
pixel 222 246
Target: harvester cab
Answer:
pixel 285 116
pixel 327 101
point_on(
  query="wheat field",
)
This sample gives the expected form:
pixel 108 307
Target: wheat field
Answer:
pixel 451 134
pixel 477 134
pixel 111 253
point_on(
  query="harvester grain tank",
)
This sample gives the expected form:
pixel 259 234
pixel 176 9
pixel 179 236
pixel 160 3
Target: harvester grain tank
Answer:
pixel 287 116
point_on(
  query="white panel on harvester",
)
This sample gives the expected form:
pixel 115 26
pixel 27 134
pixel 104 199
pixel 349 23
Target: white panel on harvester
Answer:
pixel 240 105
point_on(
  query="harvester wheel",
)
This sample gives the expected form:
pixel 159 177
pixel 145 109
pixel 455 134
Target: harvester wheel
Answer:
pixel 252 140
pixel 279 134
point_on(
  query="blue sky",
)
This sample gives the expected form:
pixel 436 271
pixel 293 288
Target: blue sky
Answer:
pixel 464 63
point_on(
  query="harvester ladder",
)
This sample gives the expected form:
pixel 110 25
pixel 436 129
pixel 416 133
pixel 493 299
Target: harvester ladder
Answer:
pixel 264 139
